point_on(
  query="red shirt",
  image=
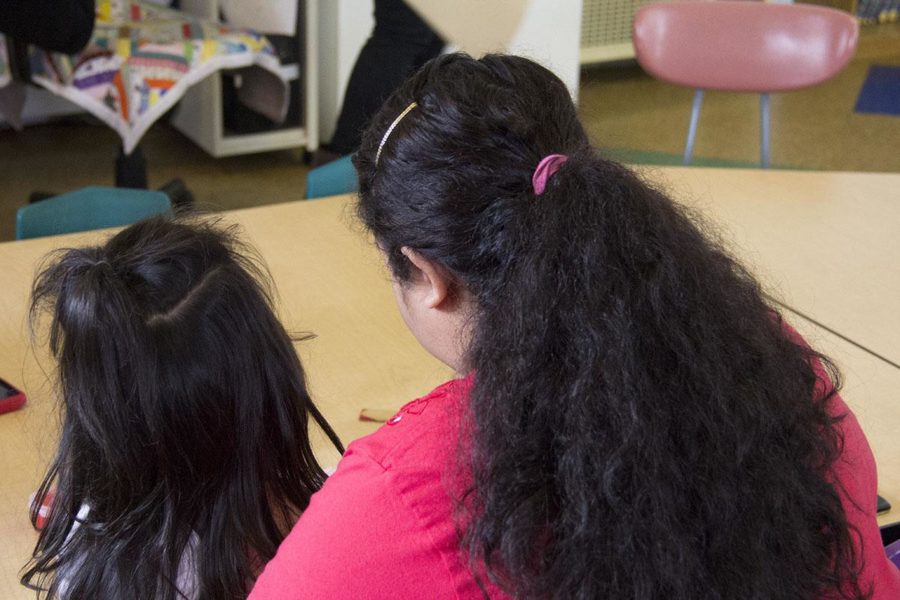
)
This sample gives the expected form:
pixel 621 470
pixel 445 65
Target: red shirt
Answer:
pixel 383 526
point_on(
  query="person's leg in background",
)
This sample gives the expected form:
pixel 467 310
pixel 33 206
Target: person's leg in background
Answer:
pixel 400 43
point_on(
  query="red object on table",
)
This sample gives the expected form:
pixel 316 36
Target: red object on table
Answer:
pixel 10 398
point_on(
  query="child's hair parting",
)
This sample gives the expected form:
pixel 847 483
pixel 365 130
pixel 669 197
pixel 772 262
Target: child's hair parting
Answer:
pixel 642 424
pixel 185 436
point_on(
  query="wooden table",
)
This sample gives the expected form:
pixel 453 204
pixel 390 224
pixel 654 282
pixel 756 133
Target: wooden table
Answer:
pixel 825 244
pixel 332 282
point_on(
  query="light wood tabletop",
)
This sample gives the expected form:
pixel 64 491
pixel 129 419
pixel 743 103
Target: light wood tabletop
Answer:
pixel 331 282
pixel 825 244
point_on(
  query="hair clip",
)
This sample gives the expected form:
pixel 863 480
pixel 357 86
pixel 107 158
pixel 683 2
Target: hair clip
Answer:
pixel 549 165
pixel 390 129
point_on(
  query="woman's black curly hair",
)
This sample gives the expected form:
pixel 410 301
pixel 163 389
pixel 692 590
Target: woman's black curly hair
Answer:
pixel 643 426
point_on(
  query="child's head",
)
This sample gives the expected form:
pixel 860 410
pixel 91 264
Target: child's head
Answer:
pixel 638 414
pixel 184 413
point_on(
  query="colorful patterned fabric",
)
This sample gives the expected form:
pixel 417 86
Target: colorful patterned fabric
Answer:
pixel 141 60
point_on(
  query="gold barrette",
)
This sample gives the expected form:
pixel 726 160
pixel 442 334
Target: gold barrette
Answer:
pixel 390 129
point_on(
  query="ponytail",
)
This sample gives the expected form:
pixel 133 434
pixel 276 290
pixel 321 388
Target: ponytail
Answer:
pixel 641 426
pixel 93 330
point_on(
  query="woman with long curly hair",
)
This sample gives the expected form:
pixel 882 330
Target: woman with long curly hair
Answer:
pixel 632 418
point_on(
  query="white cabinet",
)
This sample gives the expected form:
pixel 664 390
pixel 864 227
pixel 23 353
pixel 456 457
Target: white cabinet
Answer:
pixel 200 116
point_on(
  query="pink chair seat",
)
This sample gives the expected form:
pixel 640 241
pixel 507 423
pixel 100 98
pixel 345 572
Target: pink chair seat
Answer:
pixel 743 46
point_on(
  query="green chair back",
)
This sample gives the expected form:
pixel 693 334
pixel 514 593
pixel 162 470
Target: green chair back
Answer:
pixel 332 179
pixel 89 208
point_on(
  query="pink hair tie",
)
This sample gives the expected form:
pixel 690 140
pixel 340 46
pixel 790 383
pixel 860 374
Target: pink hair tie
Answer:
pixel 549 165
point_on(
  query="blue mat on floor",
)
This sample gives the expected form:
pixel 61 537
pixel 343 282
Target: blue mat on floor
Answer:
pixel 881 91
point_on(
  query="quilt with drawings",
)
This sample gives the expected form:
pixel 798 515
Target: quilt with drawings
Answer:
pixel 141 60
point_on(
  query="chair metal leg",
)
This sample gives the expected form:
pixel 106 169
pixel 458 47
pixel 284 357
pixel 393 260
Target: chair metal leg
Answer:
pixel 131 169
pixel 764 130
pixel 692 128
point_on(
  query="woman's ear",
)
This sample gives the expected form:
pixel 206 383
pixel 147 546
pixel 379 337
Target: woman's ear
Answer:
pixel 434 281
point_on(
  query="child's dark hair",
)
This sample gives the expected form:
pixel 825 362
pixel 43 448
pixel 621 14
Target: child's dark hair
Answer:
pixel 184 422
pixel 642 424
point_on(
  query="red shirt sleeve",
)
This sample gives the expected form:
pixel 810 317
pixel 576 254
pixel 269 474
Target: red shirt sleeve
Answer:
pixel 356 540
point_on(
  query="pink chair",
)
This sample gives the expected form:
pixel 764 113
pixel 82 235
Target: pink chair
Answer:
pixel 742 47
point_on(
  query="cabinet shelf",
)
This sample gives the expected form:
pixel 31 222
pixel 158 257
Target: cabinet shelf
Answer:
pixel 200 115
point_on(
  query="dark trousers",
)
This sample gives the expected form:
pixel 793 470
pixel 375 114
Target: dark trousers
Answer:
pixel 400 43
pixel 58 25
